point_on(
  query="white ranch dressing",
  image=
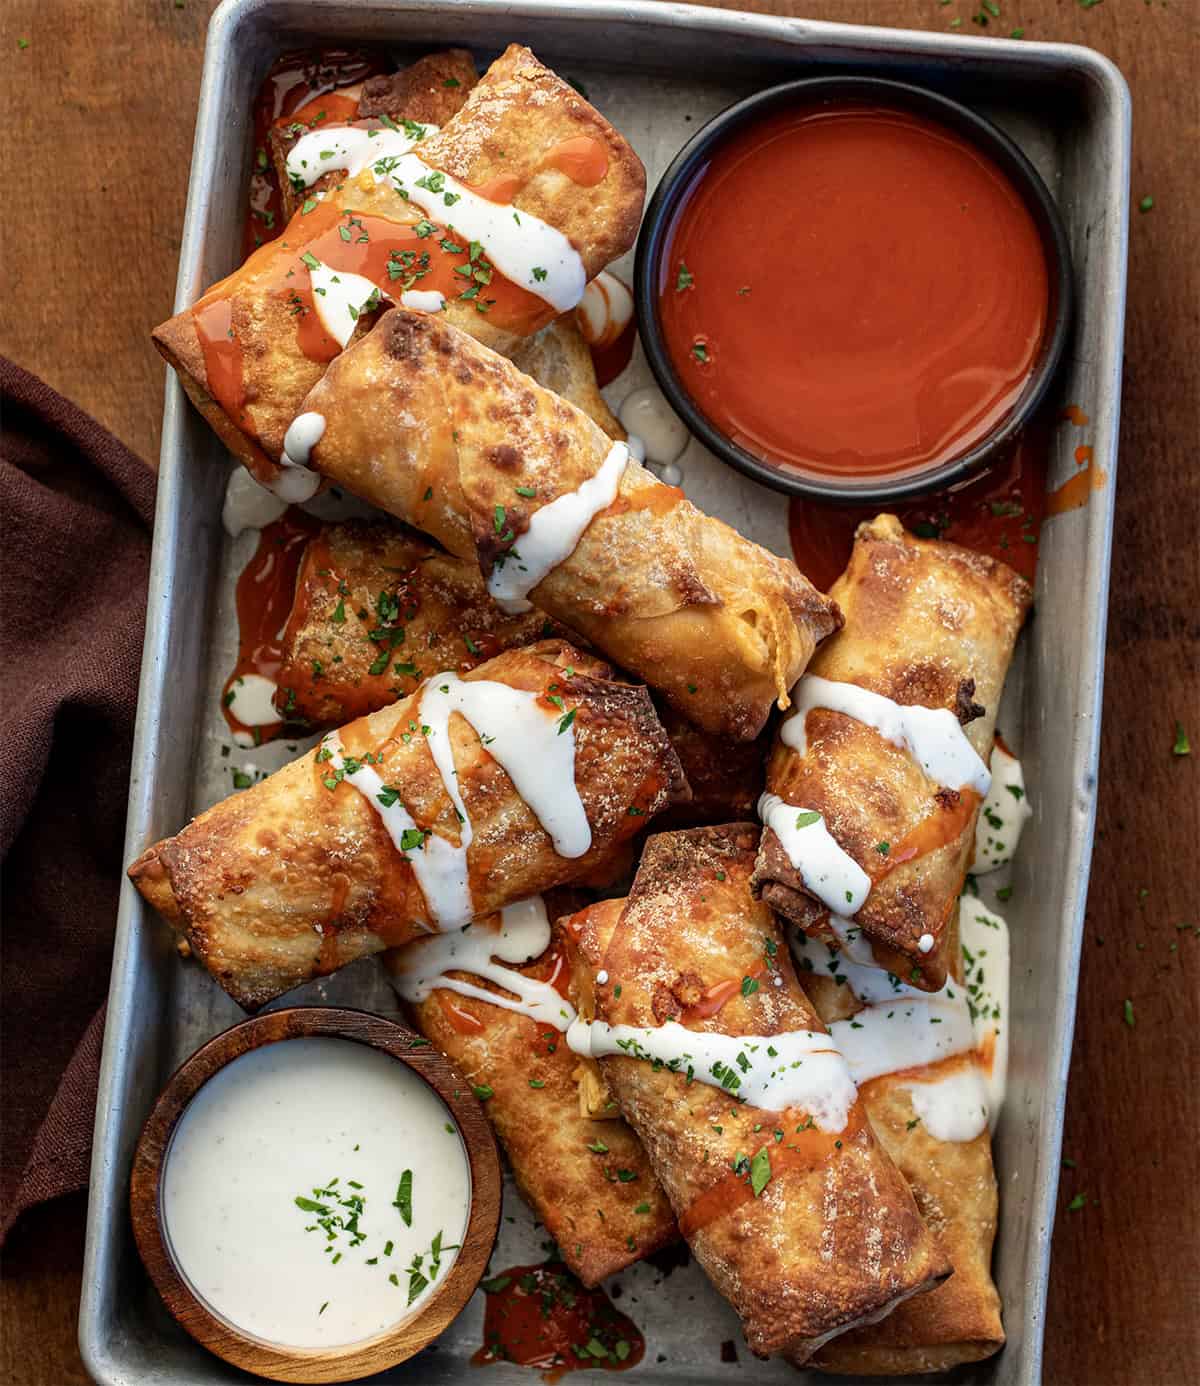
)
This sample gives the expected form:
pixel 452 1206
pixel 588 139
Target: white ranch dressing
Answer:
pixel 985 946
pixel 932 736
pixel 285 1120
pixel 831 874
pixel 252 700
pixel 647 413
pixel 901 1027
pixel 350 148
pixel 553 534
pixel 532 745
pixel 295 483
pixel 799 1069
pixel 248 504
pixel 521 933
pixel 1004 813
pixel 439 866
pixel 423 300
pixel 339 298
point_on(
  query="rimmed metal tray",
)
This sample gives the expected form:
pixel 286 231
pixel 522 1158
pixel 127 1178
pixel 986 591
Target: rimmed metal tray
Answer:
pixel 657 71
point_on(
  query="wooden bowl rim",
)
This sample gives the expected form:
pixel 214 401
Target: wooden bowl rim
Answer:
pixel 410 1334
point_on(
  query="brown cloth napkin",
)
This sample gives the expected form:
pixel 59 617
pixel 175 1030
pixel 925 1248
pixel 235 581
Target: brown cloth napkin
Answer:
pixel 77 507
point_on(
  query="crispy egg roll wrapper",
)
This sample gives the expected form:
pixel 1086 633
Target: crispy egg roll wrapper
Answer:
pixel 431 426
pixel 954 1184
pixel 290 880
pixel 559 359
pixel 430 91
pixel 438 616
pixel 253 345
pixel 564 1163
pixel 834 1238
pixel 926 623
pixel 439 613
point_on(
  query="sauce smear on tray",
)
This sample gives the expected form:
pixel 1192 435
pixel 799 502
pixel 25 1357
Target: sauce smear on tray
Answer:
pixel 542 1316
pixel 853 291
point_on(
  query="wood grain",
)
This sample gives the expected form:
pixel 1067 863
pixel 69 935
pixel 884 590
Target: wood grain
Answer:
pixel 98 118
pixel 396 1344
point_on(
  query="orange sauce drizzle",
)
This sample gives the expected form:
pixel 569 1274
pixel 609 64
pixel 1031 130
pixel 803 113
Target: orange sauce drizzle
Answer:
pixel 265 590
pixel 502 188
pixel 222 355
pixel 1077 489
pixel 936 830
pixel 374 243
pixel 583 159
pixel 799 1150
pixel 1075 415
pixel 463 1021
pixel 717 995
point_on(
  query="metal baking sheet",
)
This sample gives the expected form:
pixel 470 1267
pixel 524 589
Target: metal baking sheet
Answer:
pixel 658 71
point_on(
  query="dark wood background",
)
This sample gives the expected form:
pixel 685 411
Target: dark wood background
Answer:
pixel 98 111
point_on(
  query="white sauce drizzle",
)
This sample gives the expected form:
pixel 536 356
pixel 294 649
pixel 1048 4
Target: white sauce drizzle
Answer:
pixel 519 934
pixel 831 874
pixel 799 1069
pixel 1004 813
pixel 553 534
pixel 985 948
pixel 252 700
pixel 439 866
pixel 901 1027
pixel 647 413
pixel 524 738
pixel 526 250
pixel 339 298
pixel 933 736
pixel 604 310
pixel 248 504
pixel 423 300
pixel 351 148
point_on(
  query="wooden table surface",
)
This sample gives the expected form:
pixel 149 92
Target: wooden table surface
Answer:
pixel 101 96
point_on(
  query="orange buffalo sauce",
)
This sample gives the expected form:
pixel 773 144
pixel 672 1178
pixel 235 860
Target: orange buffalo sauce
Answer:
pixel 802 1147
pixel 264 596
pixel 542 1316
pixel 301 87
pixel 395 254
pixel 853 291
pixel 998 513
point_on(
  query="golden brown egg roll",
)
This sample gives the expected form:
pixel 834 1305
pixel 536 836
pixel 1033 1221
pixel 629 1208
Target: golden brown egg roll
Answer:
pixel 431 426
pixel 432 90
pixel 791 1206
pixel 588 1181
pixel 256 342
pixel 927 625
pixel 366 841
pixel 378 608
pixel 955 1188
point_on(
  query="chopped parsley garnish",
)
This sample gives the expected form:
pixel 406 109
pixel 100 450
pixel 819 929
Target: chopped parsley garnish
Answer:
pixel 684 279
pixel 807 818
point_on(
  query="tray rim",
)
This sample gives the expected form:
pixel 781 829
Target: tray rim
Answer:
pixel 867 43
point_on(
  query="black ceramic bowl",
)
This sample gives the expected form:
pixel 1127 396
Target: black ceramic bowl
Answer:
pixel 689 164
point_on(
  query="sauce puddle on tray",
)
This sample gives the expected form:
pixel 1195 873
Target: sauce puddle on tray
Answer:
pixel 315 1192
pixel 541 1316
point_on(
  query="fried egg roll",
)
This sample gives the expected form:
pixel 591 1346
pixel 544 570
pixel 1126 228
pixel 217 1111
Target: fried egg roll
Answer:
pixel 431 426
pixel 926 1117
pixel 747 1111
pixel 449 804
pixel 431 91
pixel 378 608
pixel 494 1001
pixel 876 779
pixel 498 218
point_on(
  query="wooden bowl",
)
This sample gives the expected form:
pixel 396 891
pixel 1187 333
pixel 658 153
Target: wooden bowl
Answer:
pixel 401 1340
